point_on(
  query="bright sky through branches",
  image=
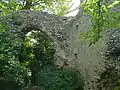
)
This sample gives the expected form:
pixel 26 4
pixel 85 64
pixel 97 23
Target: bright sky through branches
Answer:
pixel 75 4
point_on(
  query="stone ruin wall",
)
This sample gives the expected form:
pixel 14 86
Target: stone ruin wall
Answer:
pixel 65 32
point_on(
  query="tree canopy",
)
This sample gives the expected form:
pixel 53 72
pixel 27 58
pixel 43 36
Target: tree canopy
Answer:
pixel 59 7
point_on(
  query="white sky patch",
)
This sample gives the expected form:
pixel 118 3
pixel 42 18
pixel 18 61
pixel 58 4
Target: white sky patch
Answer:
pixel 75 4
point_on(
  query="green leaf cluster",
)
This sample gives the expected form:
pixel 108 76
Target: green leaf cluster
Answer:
pixel 13 75
pixel 52 78
pixel 103 17
pixel 59 7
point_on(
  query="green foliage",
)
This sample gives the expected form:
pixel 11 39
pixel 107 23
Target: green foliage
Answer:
pixel 37 46
pixel 37 52
pixel 118 85
pixel 52 78
pixel 59 7
pixel 102 18
pixel 40 41
pixel 30 52
pixel 13 76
